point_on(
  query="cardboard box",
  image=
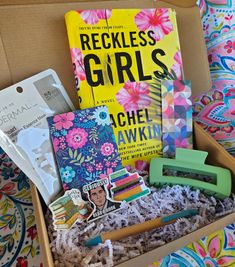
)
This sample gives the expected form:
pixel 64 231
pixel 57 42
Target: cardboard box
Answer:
pixel 33 38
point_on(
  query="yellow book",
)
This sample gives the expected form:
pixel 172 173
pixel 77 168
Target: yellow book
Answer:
pixel 119 58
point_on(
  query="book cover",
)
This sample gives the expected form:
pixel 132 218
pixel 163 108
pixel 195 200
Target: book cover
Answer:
pixel 84 146
pixel 119 58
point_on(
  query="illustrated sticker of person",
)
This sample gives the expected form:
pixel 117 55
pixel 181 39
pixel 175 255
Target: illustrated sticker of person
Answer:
pixel 98 194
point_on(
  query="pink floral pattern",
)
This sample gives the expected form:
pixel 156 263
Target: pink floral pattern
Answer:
pixel 76 138
pixel 56 143
pixel 78 65
pixel 134 96
pixel 92 17
pixel 107 149
pixel 86 150
pixel 178 65
pixel 215 250
pixel 63 121
pixel 156 20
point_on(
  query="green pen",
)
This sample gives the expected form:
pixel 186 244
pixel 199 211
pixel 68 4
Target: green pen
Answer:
pixel 139 228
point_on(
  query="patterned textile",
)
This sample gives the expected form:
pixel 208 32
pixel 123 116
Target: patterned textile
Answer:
pixel 19 244
pixel 215 110
pixel 217 249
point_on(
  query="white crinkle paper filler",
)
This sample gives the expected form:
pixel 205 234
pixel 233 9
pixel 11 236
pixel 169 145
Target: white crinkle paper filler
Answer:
pixel 68 246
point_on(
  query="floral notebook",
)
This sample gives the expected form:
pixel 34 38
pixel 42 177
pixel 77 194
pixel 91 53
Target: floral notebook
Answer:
pixel 84 146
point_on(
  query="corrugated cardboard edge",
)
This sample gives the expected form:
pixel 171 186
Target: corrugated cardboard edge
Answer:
pixel 181 3
pixel 217 155
pixel 41 228
pixel 204 142
pixel 5 74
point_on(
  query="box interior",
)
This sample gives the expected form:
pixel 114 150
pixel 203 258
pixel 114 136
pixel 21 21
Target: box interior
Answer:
pixel 217 156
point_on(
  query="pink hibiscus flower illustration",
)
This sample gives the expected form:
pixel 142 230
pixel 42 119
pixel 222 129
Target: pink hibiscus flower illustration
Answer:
pixel 107 149
pixel 156 20
pixel 134 96
pixel 177 66
pixel 63 120
pixel 77 58
pixel 76 138
pixel 92 17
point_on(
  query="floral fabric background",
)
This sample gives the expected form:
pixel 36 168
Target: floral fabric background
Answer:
pixel 215 110
pixel 19 244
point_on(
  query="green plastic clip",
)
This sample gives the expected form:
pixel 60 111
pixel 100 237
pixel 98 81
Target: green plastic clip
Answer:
pixel 189 168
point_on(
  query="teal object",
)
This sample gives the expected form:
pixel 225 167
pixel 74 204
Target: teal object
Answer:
pixel 188 166
pixel 182 214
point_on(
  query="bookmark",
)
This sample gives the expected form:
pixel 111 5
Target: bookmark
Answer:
pixel 176 116
pixel 127 186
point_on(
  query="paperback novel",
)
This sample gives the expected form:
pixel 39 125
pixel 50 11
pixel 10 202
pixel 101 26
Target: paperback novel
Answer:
pixel 119 58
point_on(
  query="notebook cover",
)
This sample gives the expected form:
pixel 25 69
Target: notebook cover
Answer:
pixel 84 146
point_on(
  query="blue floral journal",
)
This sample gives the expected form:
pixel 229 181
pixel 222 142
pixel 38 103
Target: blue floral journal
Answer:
pixel 84 145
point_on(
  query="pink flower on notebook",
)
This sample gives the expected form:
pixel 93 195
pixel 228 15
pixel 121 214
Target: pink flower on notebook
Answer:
pixel 63 120
pixel 134 96
pixel 76 138
pixel 156 20
pixel 107 149
pixel 56 143
pixel 94 16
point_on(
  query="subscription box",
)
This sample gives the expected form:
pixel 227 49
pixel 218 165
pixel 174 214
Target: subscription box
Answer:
pixel 33 38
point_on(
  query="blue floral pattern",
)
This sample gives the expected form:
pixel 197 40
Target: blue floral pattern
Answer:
pixel 88 151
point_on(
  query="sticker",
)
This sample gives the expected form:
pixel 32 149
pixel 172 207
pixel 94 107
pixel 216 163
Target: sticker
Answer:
pixel 127 186
pixel 176 116
pixel 69 209
pixel 99 195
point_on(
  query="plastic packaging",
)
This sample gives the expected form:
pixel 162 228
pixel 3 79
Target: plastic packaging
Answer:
pixel 24 133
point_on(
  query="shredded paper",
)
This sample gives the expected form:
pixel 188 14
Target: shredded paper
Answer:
pixel 68 245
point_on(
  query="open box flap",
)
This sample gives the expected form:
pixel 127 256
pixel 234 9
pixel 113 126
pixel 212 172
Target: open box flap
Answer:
pixel 34 38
